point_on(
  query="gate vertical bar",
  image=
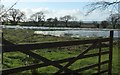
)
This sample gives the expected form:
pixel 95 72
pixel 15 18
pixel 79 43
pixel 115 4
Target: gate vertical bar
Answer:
pixel 99 60
pixel 1 50
pixel 110 53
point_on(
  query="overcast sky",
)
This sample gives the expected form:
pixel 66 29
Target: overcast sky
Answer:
pixel 58 8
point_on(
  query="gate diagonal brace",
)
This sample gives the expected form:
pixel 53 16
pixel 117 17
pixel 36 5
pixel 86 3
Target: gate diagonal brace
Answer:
pixel 47 61
pixel 75 59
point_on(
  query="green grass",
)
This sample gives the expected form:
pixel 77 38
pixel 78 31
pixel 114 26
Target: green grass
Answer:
pixel 17 59
pixel 28 36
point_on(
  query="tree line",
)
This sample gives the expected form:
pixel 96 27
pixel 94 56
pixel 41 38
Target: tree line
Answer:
pixel 17 17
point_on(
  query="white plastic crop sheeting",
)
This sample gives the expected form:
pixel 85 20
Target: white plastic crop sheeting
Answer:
pixel 53 33
pixel 79 33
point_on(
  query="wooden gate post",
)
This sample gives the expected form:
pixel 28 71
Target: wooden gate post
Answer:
pixel 110 53
pixel 1 51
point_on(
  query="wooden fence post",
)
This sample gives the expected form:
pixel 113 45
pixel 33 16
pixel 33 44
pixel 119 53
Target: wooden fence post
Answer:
pixel 110 53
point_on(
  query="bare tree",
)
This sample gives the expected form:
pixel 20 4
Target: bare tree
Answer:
pixel 55 21
pixel 3 12
pixel 38 17
pixel 104 24
pixel 1 9
pixel 114 19
pixel 50 21
pixel 15 16
pixel 4 18
pixel 66 18
pixel 96 24
pixel 102 5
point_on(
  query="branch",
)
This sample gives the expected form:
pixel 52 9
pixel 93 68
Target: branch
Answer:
pixel 100 5
pixel 8 9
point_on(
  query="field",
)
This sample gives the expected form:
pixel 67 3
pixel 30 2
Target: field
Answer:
pixel 16 59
